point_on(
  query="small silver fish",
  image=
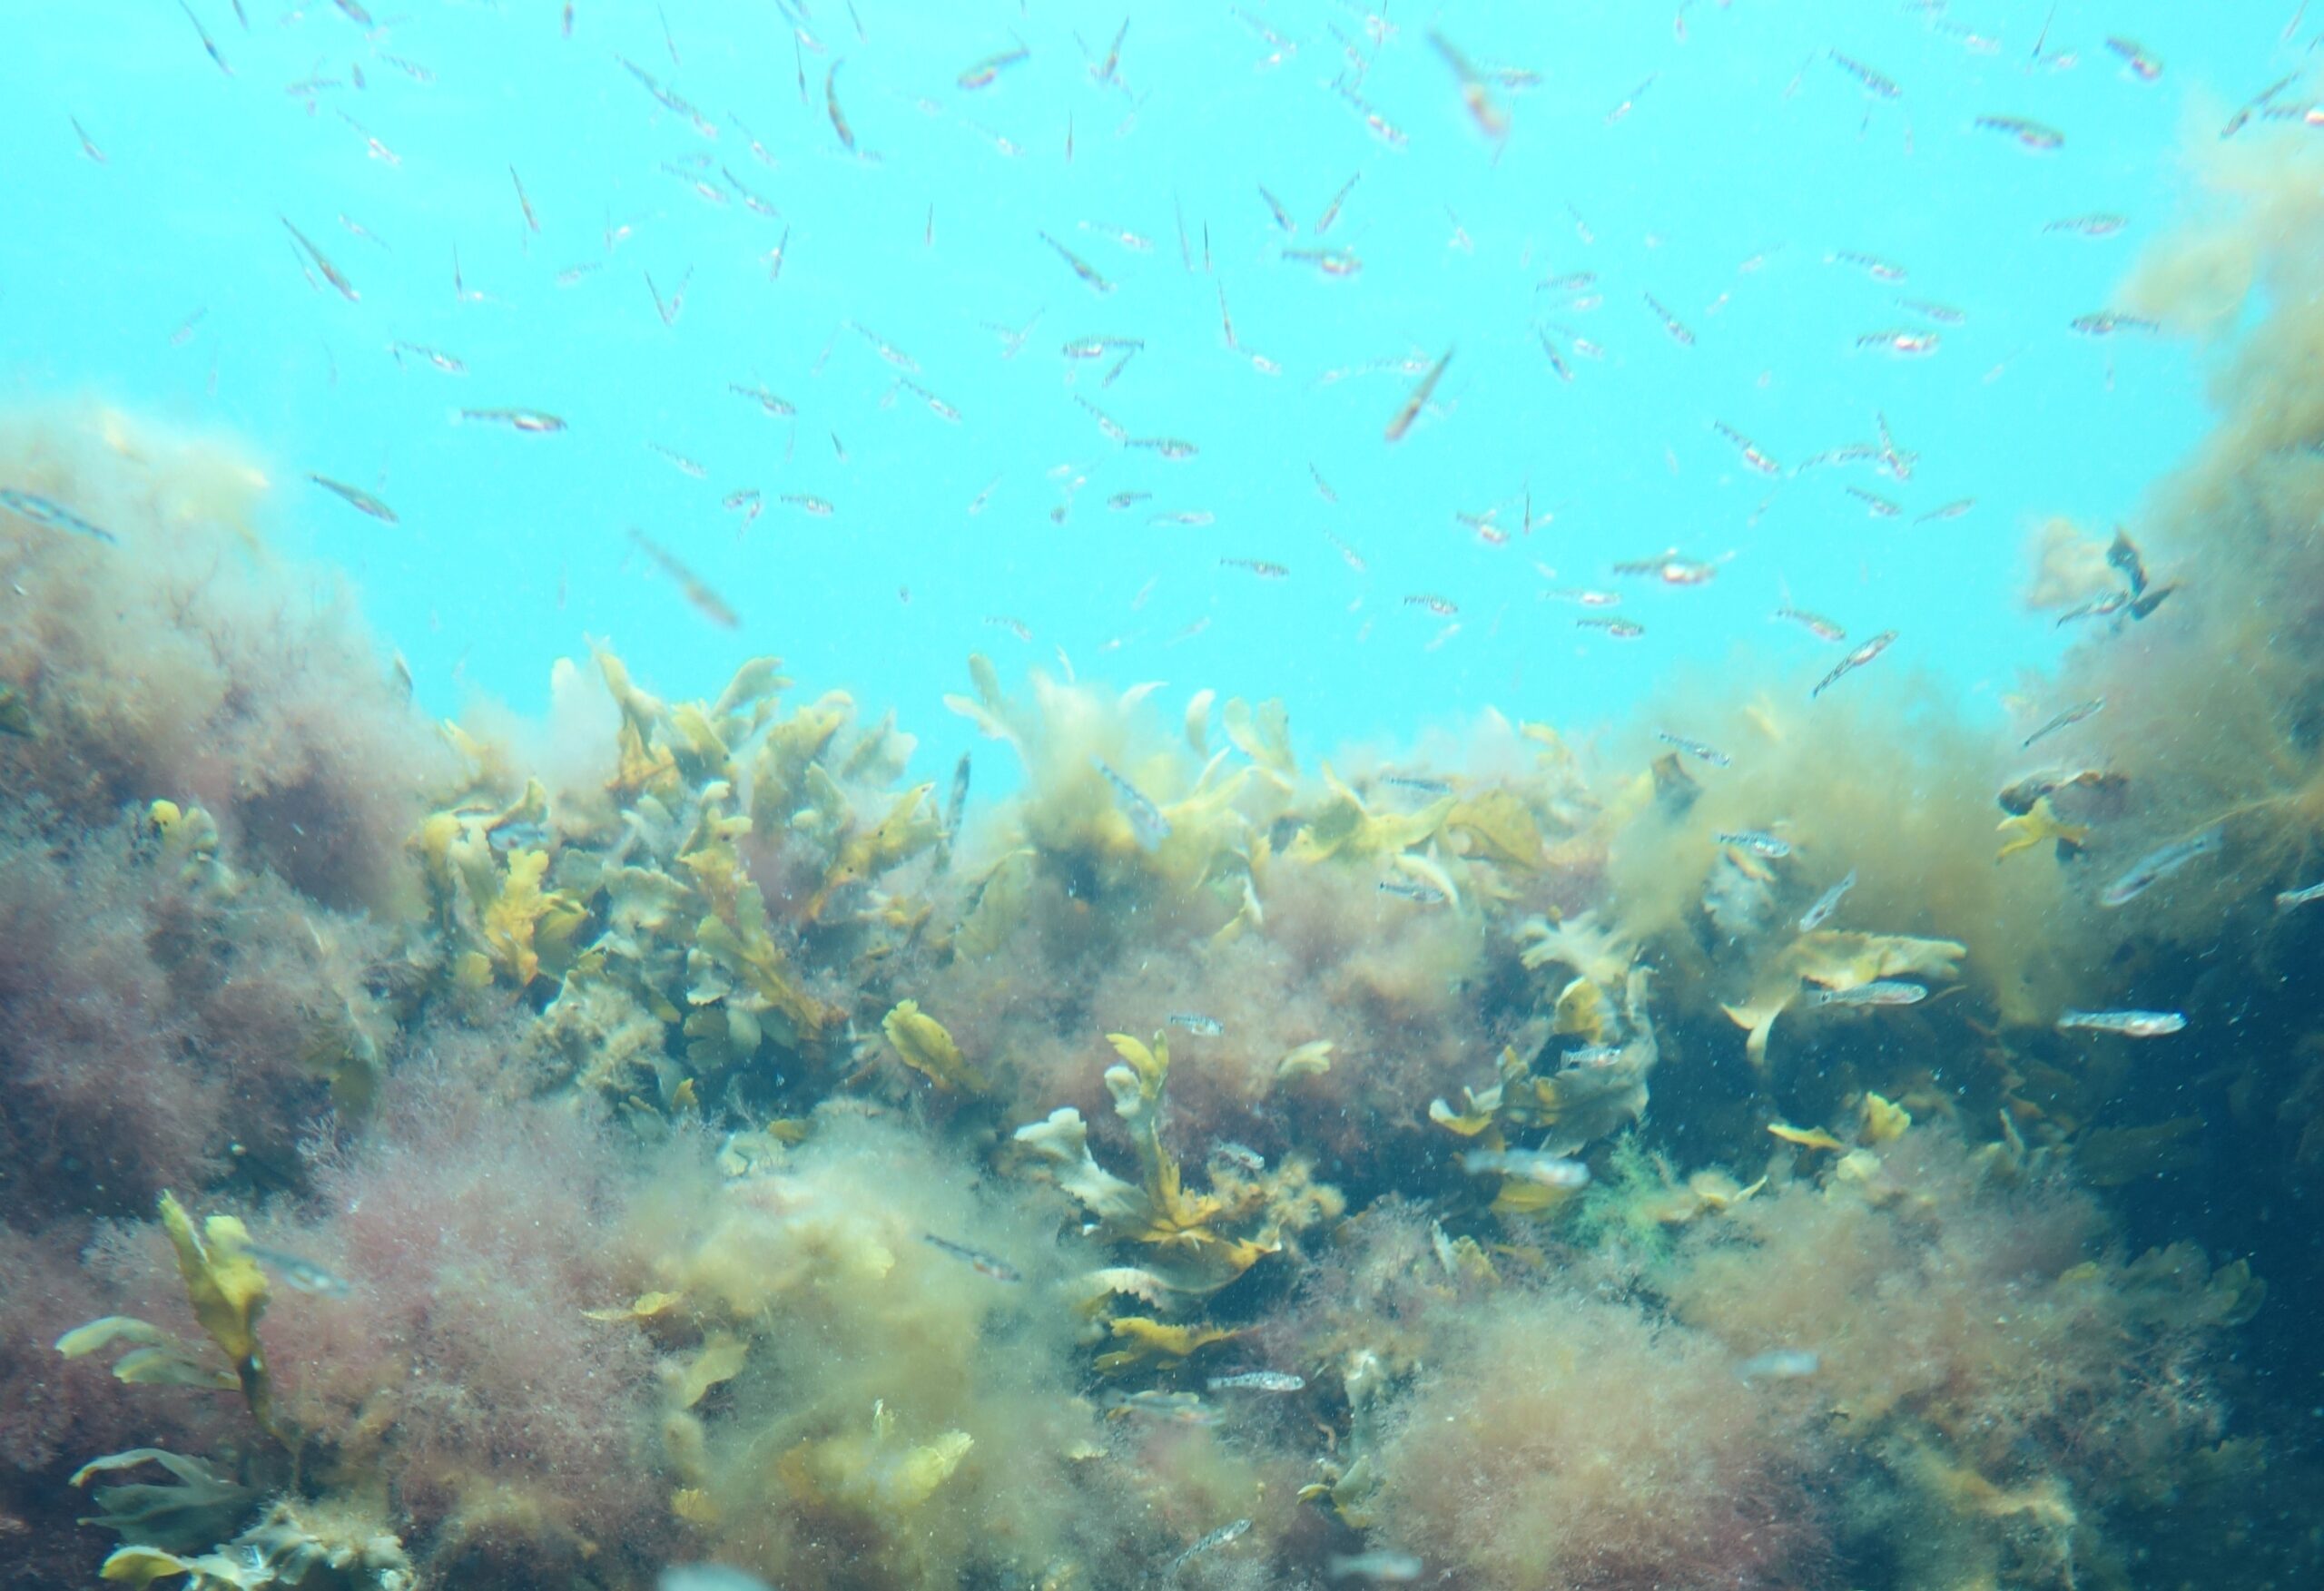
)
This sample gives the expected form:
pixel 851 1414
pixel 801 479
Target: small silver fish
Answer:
pixel 1777 1364
pixel 2070 716
pixel 443 361
pixel 1855 659
pixel 1760 844
pixel 1258 1381
pixel 299 1274
pixel 519 420
pixel 1207 1027
pixel 1552 1170
pixel 2158 865
pixel 958 801
pixel 2107 322
pixel 2289 899
pixel 356 497
pixel 504 837
pixel 1216 1539
pixel 1816 624
pixel 708 1577
pixel 1385 1564
pixel 984 1264
pixel 39 510
pixel 1880 991
pixel 1413 891
pixel 1904 341
pixel 1173 1408
pixel 1241 1157
pixel 1146 820
pixel 2129 1024
pixel 1170 447
pixel 1872 265
pixel 1711 754
pixel 778 407
pixel 1929 309
pixel 1593 1055
pixel 1828 902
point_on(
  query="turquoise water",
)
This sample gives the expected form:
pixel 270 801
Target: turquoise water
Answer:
pixel 1720 1134
pixel 1748 160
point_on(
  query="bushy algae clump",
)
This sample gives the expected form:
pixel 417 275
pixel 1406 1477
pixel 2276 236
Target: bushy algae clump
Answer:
pixel 686 1129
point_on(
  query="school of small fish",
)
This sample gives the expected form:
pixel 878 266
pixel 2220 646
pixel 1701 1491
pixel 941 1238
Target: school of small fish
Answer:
pixel 1118 368
pixel 1037 93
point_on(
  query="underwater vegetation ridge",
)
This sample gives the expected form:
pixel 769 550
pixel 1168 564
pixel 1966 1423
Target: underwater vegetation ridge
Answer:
pixel 1801 1138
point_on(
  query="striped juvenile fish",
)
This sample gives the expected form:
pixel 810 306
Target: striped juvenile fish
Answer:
pixel 1552 1170
pixel 1194 1022
pixel 2129 1024
pixel 332 274
pixel 1593 1055
pixel 39 510
pixel 779 407
pixel 300 1275
pixel 1855 659
pixel 1777 1364
pixel 1872 265
pixel 1146 820
pixel 1711 754
pixel 1258 1381
pixel 1879 992
pixel 1172 1408
pixel 1413 891
pixel 1384 1565
pixel 1876 83
pixel 1417 400
pixel 519 420
pixel 1216 1539
pixel 1931 310
pixel 2158 865
pixel 1081 268
pixel 696 590
pixel 357 497
pixel 1826 903
pixel 1904 342
pixel 1816 624
pixel 984 1264
pixel 959 802
pixel 443 361
pixel 2028 134
pixel 1758 843
pixel 2070 717
pixel 2107 322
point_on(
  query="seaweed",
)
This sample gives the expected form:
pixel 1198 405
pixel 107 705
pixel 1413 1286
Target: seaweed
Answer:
pixel 1202 1241
pixel 698 1153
